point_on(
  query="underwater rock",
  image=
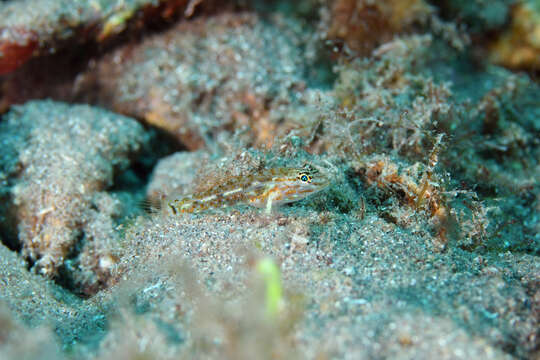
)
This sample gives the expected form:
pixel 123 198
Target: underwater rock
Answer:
pixel 34 309
pixel 363 25
pixel 505 32
pixel 60 158
pixel 518 47
pixel 175 175
pixel 204 77
pixel 30 28
pixel 480 16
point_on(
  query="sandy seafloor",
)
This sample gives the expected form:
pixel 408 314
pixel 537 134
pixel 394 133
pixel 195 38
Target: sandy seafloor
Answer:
pixel 424 117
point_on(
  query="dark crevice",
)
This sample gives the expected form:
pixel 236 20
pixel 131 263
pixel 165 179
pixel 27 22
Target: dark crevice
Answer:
pixel 64 278
pixel 8 233
pixel 10 241
pixel 8 222
pixel 137 176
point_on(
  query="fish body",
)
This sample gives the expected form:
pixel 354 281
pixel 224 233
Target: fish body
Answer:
pixel 266 188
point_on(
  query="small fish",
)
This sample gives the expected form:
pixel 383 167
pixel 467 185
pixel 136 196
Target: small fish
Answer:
pixel 265 188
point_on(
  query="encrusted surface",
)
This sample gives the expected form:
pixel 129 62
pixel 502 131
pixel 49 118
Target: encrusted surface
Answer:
pixel 65 156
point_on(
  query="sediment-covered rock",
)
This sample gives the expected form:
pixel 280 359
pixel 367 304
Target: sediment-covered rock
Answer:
pixel 207 77
pixel 58 158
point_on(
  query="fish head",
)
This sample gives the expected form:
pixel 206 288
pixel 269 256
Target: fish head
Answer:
pixel 299 183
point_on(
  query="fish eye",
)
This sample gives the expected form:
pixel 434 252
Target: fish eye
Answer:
pixel 305 178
